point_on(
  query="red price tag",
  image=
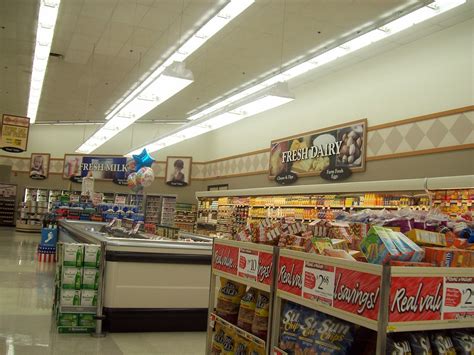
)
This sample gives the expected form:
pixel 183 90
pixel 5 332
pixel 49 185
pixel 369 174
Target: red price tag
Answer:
pixel 458 300
pixel 248 263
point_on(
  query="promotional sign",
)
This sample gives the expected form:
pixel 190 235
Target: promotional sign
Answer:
pixel 357 292
pixel 39 166
pixel 226 258
pixel 7 190
pixel 120 199
pixel 336 174
pixel 458 298
pixel 114 168
pixel 340 147
pixel 286 178
pixel 318 282
pixel 290 275
pixel 415 299
pixel 265 264
pixel 14 133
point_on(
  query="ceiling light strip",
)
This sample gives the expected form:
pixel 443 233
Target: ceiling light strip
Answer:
pixel 144 97
pixel 47 16
pixel 221 114
pixel 422 14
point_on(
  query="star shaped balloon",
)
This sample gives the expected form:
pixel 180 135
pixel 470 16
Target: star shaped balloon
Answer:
pixel 143 159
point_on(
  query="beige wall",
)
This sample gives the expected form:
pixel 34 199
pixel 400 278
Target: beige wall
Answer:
pixel 430 165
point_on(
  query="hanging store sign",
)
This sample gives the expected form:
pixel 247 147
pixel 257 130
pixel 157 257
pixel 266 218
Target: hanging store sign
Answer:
pixel 112 168
pixel 14 133
pixel 333 151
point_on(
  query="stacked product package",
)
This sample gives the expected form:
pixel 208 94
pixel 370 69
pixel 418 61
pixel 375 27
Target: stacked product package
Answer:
pixel 77 282
pixel 402 238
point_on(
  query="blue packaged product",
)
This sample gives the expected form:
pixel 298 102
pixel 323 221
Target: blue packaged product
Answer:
pixel 290 329
pixel 333 336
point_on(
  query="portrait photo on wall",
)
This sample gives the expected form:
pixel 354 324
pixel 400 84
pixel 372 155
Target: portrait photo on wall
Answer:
pixel 178 171
pixel 39 166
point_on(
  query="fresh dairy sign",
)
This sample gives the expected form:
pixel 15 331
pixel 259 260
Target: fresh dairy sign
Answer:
pixel 334 153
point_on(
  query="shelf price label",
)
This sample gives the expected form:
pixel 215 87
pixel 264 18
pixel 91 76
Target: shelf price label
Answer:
pixel 458 297
pixel 226 258
pixel 318 284
pixel 415 299
pixel 248 263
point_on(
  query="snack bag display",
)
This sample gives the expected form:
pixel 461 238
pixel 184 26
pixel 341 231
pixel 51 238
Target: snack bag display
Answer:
pixel 419 343
pixel 218 339
pixel 256 349
pixel 441 344
pixel 291 321
pixel 463 341
pixel 247 309
pixel 308 330
pixel 228 300
pixel 260 319
pixel 241 346
pixel 397 346
pixel 228 346
pixel 333 336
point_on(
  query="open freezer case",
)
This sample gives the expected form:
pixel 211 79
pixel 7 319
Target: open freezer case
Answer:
pixel 156 284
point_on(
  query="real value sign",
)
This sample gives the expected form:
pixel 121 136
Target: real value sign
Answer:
pixel 244 262
pixel 415 299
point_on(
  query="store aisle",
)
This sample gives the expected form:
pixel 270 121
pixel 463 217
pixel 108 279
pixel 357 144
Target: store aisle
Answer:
pixel 26 289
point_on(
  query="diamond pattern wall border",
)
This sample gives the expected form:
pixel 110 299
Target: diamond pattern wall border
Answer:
pixel 437 133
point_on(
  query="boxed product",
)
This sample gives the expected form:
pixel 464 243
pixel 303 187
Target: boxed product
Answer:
pixel 378 247
pixel 67 319
pixel 86 320
pixel 91 255
pixel 317 245
pixel 424 237
pixel 90 279
pixel 89 298
pixel 418 252
pixel 72 254
pixel 71 278
pixel 449 257
pixel 70 298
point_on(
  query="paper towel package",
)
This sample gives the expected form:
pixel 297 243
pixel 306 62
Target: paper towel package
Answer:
pixel 73 254
pixel 71 278
pixel 90 279
pixel 89 298
pixel 70 298
pixel 91 255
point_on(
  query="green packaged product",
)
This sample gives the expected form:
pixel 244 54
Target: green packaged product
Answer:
pixel 91 255
pixel 67 319
pixel 71 278
pixel 86 320
pixel 73 254
pixel 90 279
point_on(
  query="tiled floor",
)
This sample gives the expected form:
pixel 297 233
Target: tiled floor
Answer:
pixel 26 289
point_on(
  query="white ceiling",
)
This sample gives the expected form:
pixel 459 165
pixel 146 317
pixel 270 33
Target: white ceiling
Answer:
pixel 108 44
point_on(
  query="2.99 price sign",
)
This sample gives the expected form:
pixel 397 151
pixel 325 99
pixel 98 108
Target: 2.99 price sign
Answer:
pixel 458 300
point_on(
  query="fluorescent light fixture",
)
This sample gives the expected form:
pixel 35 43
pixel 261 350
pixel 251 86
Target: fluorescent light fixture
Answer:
pixel 48 13
pixel 422 14
pixel 171 81
pixel 261 101
pixel 157 86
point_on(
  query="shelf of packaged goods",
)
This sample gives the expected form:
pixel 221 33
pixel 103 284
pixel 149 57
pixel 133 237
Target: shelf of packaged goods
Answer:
pixel 78 309
pixel 189 223
pixel 246 335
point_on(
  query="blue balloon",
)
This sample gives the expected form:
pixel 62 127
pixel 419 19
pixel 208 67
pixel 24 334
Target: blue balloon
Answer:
pixel 143 160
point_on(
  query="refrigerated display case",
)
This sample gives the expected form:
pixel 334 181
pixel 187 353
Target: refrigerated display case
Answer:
pixel 32 210
pixel 7 204
pixel 160 209
pixel 155 284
